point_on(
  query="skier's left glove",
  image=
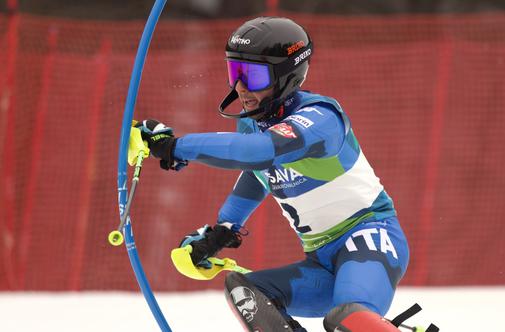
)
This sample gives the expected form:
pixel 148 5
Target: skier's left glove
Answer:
pixel 208 241
pixel 161 142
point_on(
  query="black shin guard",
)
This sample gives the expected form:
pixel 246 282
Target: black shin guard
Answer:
pixel 256 312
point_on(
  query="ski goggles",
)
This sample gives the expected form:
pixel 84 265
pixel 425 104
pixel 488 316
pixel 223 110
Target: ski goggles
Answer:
pixel 258 76
pixel 255 76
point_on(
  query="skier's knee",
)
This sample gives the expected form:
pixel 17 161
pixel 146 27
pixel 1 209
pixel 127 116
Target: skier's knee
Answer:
pixel 356 318
pixel 255 311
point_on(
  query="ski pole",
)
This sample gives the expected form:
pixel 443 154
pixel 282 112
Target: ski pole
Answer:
pixel 398 320
pixel 116 237
pixel 431 328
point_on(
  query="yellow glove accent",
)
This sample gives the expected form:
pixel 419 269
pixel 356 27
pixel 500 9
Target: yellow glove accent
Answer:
pixel 135 146
pixel 183 263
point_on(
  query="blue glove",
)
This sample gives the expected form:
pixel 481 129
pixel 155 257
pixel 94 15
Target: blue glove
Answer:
pixel 161 141
pixel 207 241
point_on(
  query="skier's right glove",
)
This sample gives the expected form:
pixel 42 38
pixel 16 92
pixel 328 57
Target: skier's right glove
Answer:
pixel 208 241
pixel 161 142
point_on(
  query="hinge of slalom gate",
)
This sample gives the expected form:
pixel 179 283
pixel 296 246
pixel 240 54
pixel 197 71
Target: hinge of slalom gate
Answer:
pixel 398 320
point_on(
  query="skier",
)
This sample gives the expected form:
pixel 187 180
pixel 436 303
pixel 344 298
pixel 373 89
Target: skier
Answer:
pixel 299 147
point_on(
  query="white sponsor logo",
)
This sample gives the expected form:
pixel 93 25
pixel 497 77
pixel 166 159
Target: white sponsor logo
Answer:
pixel 242 41
pixel 285 178
pixel 293 184
pixel 289 101
pixel 302 56
pixel 283 175
pixel 385 242
pixel 309 109
pixel 306 123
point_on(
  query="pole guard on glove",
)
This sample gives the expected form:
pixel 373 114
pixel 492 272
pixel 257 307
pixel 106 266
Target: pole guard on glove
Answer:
pixel 182 261
pixel 136 145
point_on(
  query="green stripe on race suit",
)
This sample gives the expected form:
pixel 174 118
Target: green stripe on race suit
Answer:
pixel 324 169
pixel 314 241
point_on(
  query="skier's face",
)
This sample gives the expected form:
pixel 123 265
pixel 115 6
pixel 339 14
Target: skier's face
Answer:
pixel 251 100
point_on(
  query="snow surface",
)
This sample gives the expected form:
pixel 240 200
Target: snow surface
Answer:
pixel 452 309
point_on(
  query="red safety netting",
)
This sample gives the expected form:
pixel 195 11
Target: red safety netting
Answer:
pixel 425 93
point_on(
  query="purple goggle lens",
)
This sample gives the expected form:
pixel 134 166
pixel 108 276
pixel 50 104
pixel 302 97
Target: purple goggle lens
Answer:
pixel 255 76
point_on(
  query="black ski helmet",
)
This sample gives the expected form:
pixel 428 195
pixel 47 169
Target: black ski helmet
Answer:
pixel 281 44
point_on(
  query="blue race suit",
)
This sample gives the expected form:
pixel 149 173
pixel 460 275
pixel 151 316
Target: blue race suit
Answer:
pixel 309 159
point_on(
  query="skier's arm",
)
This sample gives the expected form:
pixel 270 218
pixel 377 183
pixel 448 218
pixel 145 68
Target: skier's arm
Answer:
pixel 227 150
pixel 207 241
pixel 246 196
pixel 285 142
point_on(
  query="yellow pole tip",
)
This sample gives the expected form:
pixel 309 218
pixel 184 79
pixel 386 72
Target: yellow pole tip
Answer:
pixel 116 238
